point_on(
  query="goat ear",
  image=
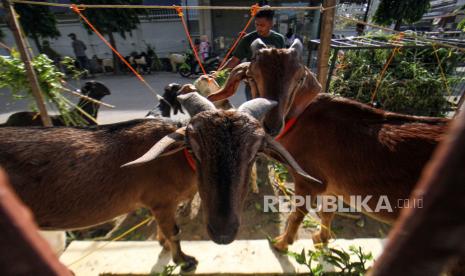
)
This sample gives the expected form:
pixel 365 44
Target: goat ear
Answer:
pixel 186 88
pixel 172 88
pixel 232 83
pixel 311 83
pixel 273 148
pixel 194 103
pixel 169 144
pixel 258 108
pixel 298 48
pixel 256 45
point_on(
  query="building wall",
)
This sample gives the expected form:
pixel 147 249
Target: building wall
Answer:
pixel 166 36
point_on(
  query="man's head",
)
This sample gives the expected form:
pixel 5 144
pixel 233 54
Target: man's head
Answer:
pixel 72 36
pixel 264 22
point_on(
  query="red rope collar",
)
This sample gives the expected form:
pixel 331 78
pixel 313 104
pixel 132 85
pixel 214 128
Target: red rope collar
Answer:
pixel 287 127
pixel 189 159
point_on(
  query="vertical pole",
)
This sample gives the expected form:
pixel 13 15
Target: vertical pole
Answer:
pixel 460 104
pixel 331 69
pixel 309 58
pixel 31 76
pixel 326 33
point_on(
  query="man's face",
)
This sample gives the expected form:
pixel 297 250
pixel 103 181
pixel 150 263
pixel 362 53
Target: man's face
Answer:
pixel 263 26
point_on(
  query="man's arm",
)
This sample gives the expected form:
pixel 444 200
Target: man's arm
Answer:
pixel 231 63
pixel 238 54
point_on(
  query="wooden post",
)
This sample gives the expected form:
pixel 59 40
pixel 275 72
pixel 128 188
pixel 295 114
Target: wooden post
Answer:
pixel 326 32
pixel 331 69
pixel 31 76
pixel 460 104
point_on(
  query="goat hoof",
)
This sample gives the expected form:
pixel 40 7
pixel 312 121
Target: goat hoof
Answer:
pixel 188 264
pixel 281 243
pixel 319 240
pixel 164 243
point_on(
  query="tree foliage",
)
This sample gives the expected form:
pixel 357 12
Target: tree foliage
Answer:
pixel 399 11
pixel 109 21
pixel 38 22
pixel 412 84
pixel 14 78
pixel 112 20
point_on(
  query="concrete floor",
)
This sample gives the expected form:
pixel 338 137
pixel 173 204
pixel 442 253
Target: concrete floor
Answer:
pixel 129 96
pixel 242 257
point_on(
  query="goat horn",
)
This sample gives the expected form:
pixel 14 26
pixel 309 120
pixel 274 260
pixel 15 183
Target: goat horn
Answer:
pixel 285 156
pixel 256 45
pixel 194 103
pixel 298 47
pixel 257 107
pixel 232 83
pixel 169 144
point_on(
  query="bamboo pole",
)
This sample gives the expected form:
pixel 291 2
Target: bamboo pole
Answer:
pixel 31 75
pixel 324 49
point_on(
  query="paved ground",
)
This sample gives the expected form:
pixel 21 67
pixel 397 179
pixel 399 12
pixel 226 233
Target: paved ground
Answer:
pixel 242 257
pixel 131 98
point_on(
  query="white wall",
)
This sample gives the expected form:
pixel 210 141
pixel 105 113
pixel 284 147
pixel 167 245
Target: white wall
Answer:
pixel 166 36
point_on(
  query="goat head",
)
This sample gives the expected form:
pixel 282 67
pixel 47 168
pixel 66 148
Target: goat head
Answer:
pixel 224 145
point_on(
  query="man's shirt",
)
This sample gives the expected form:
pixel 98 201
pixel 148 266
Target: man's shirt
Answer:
pixel 243 50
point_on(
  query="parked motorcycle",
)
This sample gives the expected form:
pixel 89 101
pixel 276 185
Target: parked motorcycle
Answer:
pixel 191 66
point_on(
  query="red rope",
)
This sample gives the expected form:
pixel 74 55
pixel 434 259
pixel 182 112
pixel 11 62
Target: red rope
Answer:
pixel 189 159
pixel 78 11
pixel 287 127
pixel 253 11
pixel 181 14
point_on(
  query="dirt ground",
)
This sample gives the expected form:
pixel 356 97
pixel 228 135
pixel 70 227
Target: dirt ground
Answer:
pixel 256 224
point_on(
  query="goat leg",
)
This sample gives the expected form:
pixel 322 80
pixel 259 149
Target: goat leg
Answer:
pixel 161 238
pixel 324 234
pixel 303 188
pixel 295 219
pixel 170 231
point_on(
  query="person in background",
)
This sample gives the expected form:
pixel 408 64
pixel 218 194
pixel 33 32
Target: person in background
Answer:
pixel 204 48
pixel 263 25
pixel 79 49
pixel 197 44
pixel 290 37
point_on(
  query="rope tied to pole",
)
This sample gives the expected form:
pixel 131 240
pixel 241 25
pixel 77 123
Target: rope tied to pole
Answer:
pixel 443 75
pixel 180 12
pixel 254 9
pixel 396 50
pixel 78 10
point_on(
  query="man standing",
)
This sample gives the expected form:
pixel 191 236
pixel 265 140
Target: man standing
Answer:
pixel 79 49
pixel 263 25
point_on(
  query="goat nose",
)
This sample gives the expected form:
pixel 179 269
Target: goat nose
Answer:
pixel 224 236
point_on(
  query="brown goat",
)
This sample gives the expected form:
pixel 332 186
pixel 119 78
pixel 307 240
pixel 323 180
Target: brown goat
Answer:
pixel 71 177
pixel 427 239
pixel 353 148
pixel 224 144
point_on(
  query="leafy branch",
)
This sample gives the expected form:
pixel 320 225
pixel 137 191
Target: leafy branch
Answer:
pixel 353 262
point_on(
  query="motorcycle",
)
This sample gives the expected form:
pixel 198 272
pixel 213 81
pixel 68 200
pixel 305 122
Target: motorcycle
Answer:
pixel 191 66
